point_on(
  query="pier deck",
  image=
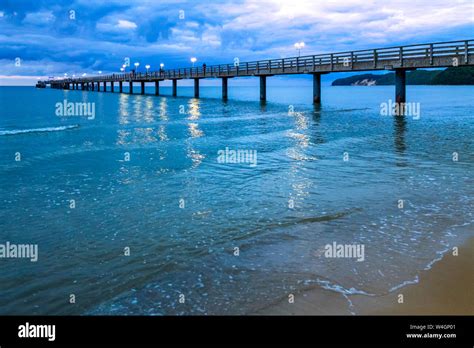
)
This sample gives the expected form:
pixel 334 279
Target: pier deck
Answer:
pixel 398 59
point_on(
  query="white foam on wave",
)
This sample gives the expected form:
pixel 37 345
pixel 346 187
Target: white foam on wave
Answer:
pixel 325 284
pixel 405 283
pixel 37 130
pixel 440 255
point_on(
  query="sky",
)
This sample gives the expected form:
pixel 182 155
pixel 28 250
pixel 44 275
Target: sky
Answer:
pixel 43 38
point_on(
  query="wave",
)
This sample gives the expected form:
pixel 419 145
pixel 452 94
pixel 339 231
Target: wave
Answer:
pixel 326 284
pixel 37 130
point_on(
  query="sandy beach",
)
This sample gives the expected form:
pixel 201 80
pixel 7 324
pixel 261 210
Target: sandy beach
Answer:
pixel 445 289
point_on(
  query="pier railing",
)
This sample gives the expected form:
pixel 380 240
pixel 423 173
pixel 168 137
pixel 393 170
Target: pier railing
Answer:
pixel 400 59
pixel 421 55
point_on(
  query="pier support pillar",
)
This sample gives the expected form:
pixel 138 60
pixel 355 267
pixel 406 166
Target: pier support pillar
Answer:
pixel 316 88
pixel 98 86
pixel 142 91
pixel 224 88
pixel 400 85
pixel 157 87
pixel 175 87
pixel 91 86
pixel 263 88
pixel 82 86
pixel 120 86
pixel 105 86
pixel 196 88
pixel 112 86
pixel 130 87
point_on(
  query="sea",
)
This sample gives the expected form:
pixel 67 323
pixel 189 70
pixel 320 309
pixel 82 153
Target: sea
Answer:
pixel 161 205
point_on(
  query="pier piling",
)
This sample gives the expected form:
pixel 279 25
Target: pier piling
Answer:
pixel 224 88
pixel 400 85
pixel 263 88
pixel 196 88
pixel 175 87
pixel 316 88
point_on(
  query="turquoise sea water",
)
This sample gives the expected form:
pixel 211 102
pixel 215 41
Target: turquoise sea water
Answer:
pixel 182 213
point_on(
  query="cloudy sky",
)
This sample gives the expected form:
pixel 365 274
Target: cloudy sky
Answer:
pixel 51 37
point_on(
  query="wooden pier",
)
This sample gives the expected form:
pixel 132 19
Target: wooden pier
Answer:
pixel 398 59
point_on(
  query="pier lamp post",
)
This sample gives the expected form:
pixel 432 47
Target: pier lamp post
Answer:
pixel 136 66
pixel 122 69
pixel 299 46
pixel 162 65
pixel 100 71
pixel 193 60
pixel 147 67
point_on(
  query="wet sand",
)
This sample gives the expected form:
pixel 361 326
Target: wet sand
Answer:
pixel 445 289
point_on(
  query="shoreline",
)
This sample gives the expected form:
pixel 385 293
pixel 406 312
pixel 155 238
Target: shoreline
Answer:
pixel 444 289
